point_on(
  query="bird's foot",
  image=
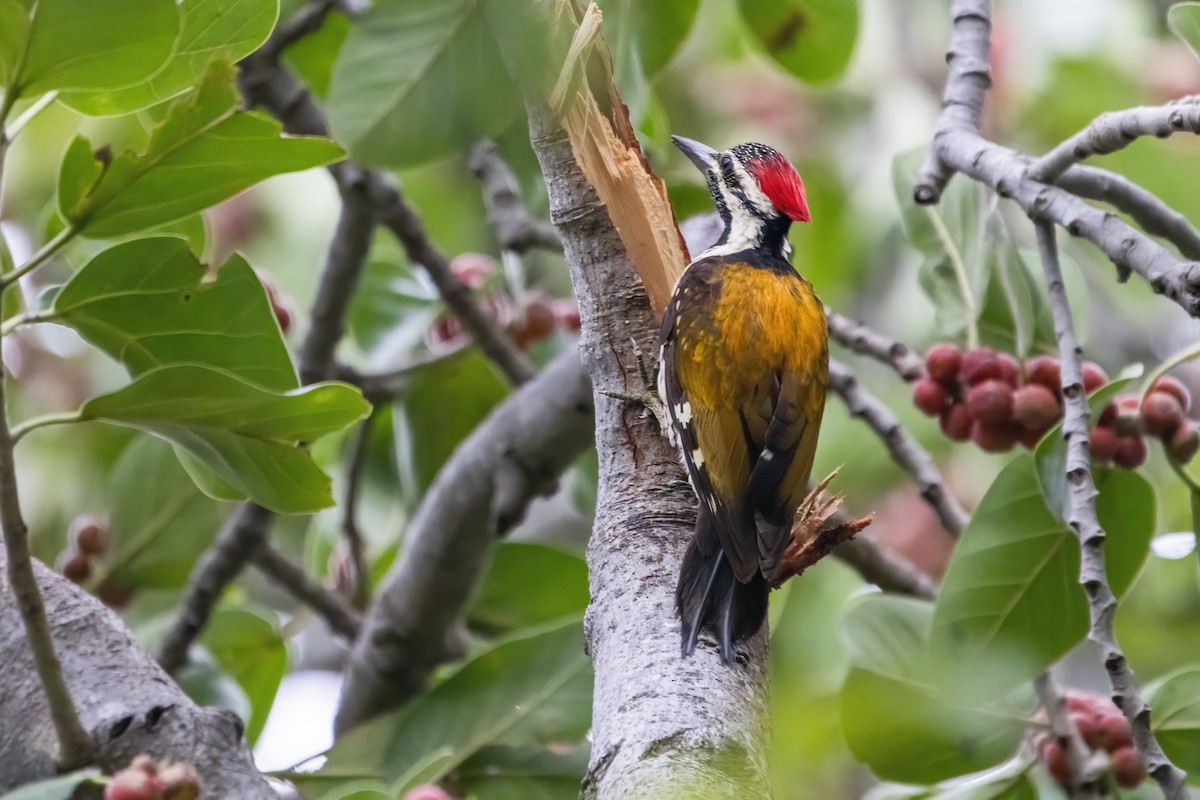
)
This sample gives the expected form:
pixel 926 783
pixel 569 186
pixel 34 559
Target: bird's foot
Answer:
pixel 648 399
pixel 816 531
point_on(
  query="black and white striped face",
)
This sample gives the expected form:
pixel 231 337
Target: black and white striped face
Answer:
pixel 756 190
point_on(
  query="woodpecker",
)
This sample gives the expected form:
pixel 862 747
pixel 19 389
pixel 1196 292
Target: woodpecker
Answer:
pixel 744 365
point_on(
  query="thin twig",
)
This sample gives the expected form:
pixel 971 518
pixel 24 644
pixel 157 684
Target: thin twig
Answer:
pixel 905 450
pixel 1102 604
pixel 245 531
pixel 886 569
pixel 1114 131
pixel 360 589
pixel 867 341
pixel 337 613
pixel 1083 771
pixel 386 386
pixel 967 84
pixel 516 229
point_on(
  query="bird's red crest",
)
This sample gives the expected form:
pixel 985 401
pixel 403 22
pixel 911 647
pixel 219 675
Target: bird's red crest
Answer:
pixel 782 185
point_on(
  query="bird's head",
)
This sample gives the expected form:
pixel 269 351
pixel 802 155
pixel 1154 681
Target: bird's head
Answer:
pixel 757 191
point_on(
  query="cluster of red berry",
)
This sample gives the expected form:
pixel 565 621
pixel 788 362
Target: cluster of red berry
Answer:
pixel 89 538
pixel 1103 727
pixel 997 402
pixel 144 779
pixel 537 317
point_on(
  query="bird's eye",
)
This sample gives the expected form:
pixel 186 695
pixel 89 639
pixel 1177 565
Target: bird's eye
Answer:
pixel 727 163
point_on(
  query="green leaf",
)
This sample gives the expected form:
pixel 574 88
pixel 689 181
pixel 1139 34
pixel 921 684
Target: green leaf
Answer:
pixel 417 80
pixel 314 55
pixel 203 680
pixel 1015 317
pixel 60 788
pixel 1176 717
pixel 924 736
pixel 1011 593
pixel 250 648
pixel 149 302
pixel 529 584
pixel 473 709
pixel 242 432
pixel 812 39
pixel 1184 19
pixel 508 773
pixel 154 545
pixel 209 29
pixel 441 406
pixel 66 44
pixel 205 150
pixel 646 35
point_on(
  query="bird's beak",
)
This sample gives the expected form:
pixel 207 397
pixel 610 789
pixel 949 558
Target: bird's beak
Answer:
pixel 703 156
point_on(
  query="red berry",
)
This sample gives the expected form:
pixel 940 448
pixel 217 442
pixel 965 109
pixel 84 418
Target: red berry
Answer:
pixel 1093 376
pixel 473 269
pixel 1127 767
pixel 1131 452
pixel 929 396
pixel 956 423
pixel 980 365
pixel 1029 439
pixel 566 312
pixel 942 362
pixel 1108 415
pixel 427 792
pixel 283 316
pixel 444 330
pixel 1116 732
pixel 538 319
pixel 1055 759
pixel 179 782
pixel 1161 414
pixel 1102 442
pixel 1128 421
pixel 1184 443
pixel 1091 726
pixel 132 784
pixel 1010 369
pixel 91 534
pixel 1080 700
pixel 114 595
pixel 77 568
pixel 1036 408
pixel 995 438
pixel 1045 371
pixel 1174 386
pixel 991 402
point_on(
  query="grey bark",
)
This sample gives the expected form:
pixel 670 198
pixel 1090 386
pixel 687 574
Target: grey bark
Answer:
pixel 662 726
pixel 125 701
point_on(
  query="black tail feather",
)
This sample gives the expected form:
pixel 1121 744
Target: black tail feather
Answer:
pixel 709 596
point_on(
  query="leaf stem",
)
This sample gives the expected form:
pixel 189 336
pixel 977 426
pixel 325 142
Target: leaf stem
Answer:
pixel 17 432
pixel 30 113
pixel 40 257
pixel 960 272
pixel 1189 353
pixel 17 320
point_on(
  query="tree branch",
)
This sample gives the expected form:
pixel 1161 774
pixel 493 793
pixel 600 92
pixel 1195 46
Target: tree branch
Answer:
pixel 245 531
pixel 515 228
pixel 360 588
pixel 962 101
pixel 1082 489
pixel 1114 131
pixel 869 342
pixel 905 450
pixel 125 702
pixel 337 613
pixel 515 455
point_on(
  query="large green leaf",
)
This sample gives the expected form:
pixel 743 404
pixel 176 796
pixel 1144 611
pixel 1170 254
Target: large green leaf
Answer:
pixel 250 648
pixel 645 35
pixel 1184 19
pixel 898 717
pixel 66 44
pixel 149 302
pixel 205 150
pixel 154 545
pixel 508 773
pixel 528 584
pixel 242 432
pixel 473 709
pixel 1015 317
pixel 441 406
pixel 60 788
pixel 1176 717
pixel 812 39
pixel 416 80
pixel 225 29
pixel 1011 593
